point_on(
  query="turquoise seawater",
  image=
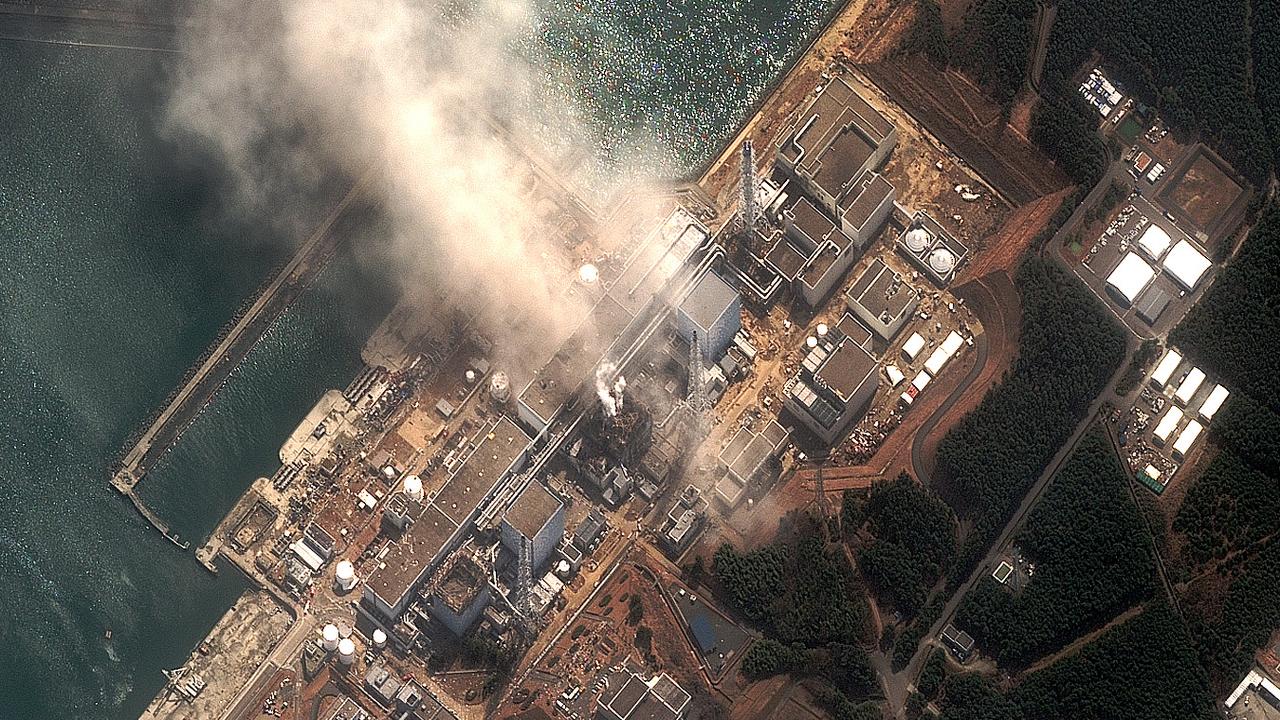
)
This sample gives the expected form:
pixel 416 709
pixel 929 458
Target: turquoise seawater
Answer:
pixel 117 269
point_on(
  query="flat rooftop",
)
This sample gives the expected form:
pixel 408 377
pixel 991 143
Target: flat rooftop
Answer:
pixel 846 369
pixel 708 300
pixel 748 451
pixel 477 476
pixel 867 195
pixel 843 159
pixel 407 560
pixel 557 381
pixel 532 509
pixel 853 329
pixel 811 221
pixel 786 259
pixel 882 292
pixel 836 110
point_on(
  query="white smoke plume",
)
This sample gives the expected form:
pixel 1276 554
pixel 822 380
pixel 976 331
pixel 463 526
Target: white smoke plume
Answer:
pixel 609 389
pixel 288 95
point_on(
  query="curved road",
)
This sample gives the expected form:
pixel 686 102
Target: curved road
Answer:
pixel 983 347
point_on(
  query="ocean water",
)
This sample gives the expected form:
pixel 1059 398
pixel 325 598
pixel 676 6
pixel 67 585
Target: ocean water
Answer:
pixel 117 269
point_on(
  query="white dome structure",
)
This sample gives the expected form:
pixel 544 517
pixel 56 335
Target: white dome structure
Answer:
pixel 345 575
pixel 917 240
pixel 500 386
pixel 329 637
pixel 346 651
pixel 942 261
pixel 811 341
pixel 413 488
pixel 379 638
pixel 822 330
pixel 589 274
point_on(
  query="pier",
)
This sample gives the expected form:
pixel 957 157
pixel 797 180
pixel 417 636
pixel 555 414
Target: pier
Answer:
pixel 185 405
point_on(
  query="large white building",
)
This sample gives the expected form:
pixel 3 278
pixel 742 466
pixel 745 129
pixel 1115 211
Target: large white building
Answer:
pixel 1186 265
pixel 1130 278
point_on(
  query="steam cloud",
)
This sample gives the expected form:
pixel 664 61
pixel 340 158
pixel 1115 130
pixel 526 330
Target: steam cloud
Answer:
pixel 287 95
pixel 610 389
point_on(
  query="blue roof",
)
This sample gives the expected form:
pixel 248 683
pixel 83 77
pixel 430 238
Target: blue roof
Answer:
pixel 703 632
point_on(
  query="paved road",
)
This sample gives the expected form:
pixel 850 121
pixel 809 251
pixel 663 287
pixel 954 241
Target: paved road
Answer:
pixel 982 346
pixel 1013 525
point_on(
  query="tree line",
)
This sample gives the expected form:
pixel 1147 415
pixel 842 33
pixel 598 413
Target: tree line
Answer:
pixel 1092 557
pixel 1068 348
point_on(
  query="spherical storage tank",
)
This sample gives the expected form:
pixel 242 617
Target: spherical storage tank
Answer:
pixel 500 387
pixel 942 261
pixel 345 575
pixel 413 488
pixel 346 651
pixel 329 637
pixel 379 638
pixel 917 239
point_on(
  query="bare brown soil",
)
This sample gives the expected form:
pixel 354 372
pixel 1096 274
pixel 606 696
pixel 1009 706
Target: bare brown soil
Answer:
pixel 1003 250
pixel 1205 193
pixel 1020 114
pixel 953 12
pixel 1080 642
pixel 965 120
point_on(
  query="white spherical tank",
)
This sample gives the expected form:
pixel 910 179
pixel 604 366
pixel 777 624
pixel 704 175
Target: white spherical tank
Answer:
pixel 942 261
pixel 500 387
pixel 345 575
pixel 589 274
pixel 413 488
pixel 917 240
pixel 346 651
pixel 329 637
pixel 379 638
pixel 822 329
pixel 811 341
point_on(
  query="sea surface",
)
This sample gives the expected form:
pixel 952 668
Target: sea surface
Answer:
pixel 118 267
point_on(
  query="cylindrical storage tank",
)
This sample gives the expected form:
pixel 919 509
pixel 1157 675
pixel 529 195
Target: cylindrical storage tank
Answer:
pixel 345 575
pixel 379 638
pixel 500 387
pixel 917 239
pixel 942 261
pixel 413 488
pixel 346 651
pixel 329 637
pixel 822 330
pixel 811 341
pixel 588 274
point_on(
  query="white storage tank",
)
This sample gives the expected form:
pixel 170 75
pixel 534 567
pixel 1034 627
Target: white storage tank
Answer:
pixel 413 488
pixel 345 575
pixel 346 651
pixel 329 637
pixel 500 387
pixel 379 638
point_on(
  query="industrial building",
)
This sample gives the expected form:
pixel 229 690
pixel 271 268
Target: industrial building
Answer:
pixel 835 141
pixel 1167 425
pixel 630 697
pixel 1186 439
pixel 1155 242
pixel 749 456
pixel 1213 403
pixel 1186 264
pixel 683 521
pixel 813 254
pixel 1151 304
pixel 711 312
pixel 440 522
pixel 882 299
pixel 1165 369
pixel 462 594
pixel 1188 387
pixel 537 518
pixel 931 248
pixel 833 386
pixel 1127 281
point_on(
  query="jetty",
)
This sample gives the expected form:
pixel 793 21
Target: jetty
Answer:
pixel 248 328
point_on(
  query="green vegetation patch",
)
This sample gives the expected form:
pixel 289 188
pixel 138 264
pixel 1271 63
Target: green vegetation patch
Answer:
pixel 1144 669
pixel 1068 348
pixel 914 541
pixel 1092 558
pixel 994 44
pixel 1231 508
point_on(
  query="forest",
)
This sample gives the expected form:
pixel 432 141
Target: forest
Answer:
pixel 1068 349
pixel 914 541
pixel 811 608
pixel 1231 508
pixel 1092 557
pixel 1222 331
pixel 1209 68
pixel 1144 669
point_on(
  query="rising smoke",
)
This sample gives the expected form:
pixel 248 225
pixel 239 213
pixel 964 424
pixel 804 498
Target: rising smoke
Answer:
pixel 610 388
pixel 413 98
